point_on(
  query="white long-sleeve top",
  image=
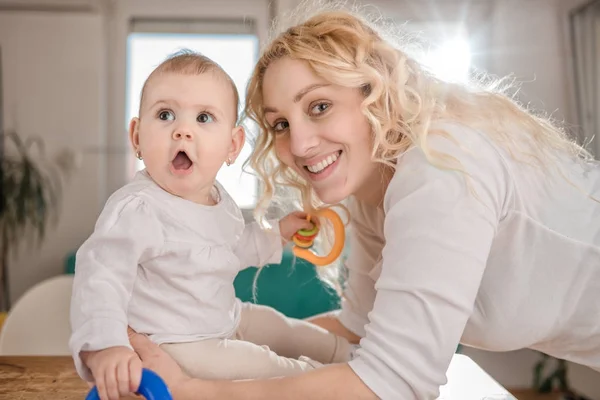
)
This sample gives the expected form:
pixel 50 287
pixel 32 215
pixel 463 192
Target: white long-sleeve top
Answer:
pixel 516 267
pixel 165 266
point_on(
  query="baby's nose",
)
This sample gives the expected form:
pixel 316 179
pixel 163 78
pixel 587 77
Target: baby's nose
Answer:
pixel 180 134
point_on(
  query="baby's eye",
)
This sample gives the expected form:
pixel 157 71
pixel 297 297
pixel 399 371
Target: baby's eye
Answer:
pixel 204 118
pixel 319 108
pixel 280 126
pixel 166 116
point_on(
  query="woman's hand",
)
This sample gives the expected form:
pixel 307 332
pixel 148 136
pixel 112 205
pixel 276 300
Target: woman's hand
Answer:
pixel 156 359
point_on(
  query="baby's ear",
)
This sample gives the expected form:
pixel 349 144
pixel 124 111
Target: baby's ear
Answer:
pixel 238 138
pixel 134 133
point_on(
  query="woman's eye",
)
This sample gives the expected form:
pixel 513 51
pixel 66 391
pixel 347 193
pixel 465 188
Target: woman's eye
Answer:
pixel 281 126
pixel 319 108
pixel 166 116
pixel 203 118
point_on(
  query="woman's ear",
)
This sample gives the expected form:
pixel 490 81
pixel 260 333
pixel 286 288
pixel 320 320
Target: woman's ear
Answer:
pixel 238 138
pixel 134 133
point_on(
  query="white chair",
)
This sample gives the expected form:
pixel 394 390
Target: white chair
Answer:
pixel 38 324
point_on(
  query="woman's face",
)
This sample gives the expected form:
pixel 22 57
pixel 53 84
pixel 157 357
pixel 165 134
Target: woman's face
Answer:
pixel 320 131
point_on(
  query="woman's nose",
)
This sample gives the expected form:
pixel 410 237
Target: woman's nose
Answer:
pixel 303 139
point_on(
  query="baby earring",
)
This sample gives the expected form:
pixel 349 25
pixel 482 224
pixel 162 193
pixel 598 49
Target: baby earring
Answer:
pixel 138 154
pixel 228 162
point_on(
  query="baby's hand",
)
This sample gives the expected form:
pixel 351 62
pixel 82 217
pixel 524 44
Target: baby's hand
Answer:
pixel 292 223
pixel 117 371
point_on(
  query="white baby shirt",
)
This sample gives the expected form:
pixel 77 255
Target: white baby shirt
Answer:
pixel 164 266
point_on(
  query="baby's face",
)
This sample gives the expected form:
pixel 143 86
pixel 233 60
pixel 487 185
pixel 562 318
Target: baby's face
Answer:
pixel 186 131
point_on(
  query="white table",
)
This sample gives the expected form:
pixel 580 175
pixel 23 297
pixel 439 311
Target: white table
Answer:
pixel 468 381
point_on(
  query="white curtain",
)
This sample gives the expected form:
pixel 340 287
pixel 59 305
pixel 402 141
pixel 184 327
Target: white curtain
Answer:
pixel 585 28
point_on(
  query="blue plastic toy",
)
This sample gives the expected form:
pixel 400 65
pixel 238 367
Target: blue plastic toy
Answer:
pixel 152 387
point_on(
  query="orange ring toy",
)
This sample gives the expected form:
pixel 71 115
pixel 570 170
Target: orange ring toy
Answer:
pixel 303 240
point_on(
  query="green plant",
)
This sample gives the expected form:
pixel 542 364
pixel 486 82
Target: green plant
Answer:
pixel 30 196
pixel 546 380
pixel 550 376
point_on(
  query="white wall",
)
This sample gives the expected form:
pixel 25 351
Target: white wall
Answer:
pixel 527 42
pixel 56 69
pixel 53 87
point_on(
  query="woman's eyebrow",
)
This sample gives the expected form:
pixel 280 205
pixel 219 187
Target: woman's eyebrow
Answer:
pixel 299 95
pixel 307 89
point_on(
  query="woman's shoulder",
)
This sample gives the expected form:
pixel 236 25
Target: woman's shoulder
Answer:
pixel 454 146
pixel 460 140
pixel 454 160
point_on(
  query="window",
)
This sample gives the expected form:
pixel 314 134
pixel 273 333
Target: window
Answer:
pixel 229 43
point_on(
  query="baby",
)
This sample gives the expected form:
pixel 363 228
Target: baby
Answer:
pixel 167 247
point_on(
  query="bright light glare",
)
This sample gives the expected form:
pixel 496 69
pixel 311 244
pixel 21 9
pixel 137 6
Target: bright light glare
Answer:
pixel 450 61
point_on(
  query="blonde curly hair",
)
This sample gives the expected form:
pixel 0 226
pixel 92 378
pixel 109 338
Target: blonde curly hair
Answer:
pixel 347 47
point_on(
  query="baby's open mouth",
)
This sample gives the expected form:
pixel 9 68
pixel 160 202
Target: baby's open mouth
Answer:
pixel 182 161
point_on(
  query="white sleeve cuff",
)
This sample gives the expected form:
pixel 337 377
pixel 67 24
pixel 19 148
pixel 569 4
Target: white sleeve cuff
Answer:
pixel 382 381
pixel 96 334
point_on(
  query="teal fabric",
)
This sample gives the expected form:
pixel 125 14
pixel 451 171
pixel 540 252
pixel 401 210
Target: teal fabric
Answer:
pixel 291 287
pixel 70 263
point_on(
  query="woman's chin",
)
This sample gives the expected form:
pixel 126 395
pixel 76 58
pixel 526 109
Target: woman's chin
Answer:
pixel 331 195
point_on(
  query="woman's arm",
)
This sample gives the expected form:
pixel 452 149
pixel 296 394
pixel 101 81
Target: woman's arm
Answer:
pixel 439 228
pixel 336 381
pixel 331 382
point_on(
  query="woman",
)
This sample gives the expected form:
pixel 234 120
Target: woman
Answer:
pixel 473 221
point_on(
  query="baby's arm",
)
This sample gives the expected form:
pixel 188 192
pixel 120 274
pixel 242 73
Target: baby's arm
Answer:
pixel 105 273
pixel 258 247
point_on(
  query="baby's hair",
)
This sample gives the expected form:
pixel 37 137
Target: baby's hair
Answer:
pixel 189 62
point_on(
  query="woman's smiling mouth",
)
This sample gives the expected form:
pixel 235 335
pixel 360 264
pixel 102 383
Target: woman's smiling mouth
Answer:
pixel 324 167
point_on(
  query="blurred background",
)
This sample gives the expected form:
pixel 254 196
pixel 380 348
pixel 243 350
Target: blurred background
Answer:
pixel 71 73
